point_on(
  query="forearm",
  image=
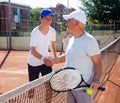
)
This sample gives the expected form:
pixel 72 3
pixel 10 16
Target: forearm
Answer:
pixel 60 59
pixel 98 70
pixel 35 53
pixel 53 49
pixel 97 66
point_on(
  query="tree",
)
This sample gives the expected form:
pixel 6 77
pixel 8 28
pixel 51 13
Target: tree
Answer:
pixel 60 26
pixel 34 16
pixel 101 11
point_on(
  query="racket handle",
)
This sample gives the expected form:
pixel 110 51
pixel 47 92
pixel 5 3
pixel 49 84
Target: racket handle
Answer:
pixel 101 88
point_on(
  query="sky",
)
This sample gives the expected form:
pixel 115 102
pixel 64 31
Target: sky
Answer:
pixel 49 3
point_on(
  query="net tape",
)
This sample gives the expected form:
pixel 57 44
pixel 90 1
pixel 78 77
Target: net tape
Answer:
pixel 39 91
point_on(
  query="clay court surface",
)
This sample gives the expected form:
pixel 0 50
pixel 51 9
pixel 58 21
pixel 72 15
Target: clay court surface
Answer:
pixel 13 74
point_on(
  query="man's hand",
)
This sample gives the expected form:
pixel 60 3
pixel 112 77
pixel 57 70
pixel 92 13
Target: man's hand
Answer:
pixel 94 85
pixel 48 61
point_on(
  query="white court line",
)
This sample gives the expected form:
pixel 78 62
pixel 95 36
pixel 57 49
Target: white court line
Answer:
pixel 14 71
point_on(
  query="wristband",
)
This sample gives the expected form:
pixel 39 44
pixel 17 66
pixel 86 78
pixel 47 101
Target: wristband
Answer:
pixel 42 58
pixel 96 79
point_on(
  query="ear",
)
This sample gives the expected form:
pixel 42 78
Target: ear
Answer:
pixel 81 25
pixel 78 24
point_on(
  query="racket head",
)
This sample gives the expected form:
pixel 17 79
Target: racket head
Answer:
pixel 65 79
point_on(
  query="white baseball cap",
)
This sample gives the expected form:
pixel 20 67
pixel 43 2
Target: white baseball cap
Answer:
pixel 78 15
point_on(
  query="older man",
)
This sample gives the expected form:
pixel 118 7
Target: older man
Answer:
pixel 82 53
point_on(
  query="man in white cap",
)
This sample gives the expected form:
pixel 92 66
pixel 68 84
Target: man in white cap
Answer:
pixel 82 53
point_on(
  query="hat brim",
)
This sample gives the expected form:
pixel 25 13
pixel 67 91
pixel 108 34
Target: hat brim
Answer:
pixel 48 15
pixel 66 17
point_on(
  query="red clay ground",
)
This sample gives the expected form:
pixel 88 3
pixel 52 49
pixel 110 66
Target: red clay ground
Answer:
pixel 13 72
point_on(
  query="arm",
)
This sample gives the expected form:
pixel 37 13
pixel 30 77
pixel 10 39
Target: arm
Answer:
pixel 59 59
pixel 50 61
pixel 97 65
pixel 61 51
pixel 52 48
pixel 35 53
pixel 96 59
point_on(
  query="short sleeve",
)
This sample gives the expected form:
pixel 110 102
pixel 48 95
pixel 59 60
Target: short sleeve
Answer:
pixel 33 40
pixel 93 47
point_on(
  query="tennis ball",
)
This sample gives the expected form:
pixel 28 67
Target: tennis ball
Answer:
pixel 89 91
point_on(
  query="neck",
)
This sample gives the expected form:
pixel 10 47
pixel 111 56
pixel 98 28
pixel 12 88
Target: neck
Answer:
pixel 77 35
pixel 43 27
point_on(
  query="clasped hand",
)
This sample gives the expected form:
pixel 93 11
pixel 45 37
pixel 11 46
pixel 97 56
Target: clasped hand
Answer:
pixel 48 61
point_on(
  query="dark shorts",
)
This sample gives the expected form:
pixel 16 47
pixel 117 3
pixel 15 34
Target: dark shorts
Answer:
pixel 34 71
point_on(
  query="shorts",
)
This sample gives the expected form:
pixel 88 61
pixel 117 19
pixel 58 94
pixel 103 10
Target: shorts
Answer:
pixel 34 71
pixel 79 96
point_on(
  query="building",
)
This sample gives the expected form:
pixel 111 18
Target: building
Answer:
pixel 19 17
pixel 60 10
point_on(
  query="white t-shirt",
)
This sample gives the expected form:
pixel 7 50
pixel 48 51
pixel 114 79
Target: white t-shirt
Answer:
pixel 41 42
pixel 78 54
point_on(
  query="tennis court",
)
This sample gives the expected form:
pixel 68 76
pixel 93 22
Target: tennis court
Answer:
pixel 15 35
pixel 13 74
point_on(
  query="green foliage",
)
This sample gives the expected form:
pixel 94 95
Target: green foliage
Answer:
pixel 34 16
pixel 61 26
pixel 101 11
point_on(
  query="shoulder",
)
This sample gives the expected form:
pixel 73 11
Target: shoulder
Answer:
pixel 34 30
pixel 91 40
pixel 89 37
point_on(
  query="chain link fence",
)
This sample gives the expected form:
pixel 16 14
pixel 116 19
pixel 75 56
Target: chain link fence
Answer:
pixel 16 27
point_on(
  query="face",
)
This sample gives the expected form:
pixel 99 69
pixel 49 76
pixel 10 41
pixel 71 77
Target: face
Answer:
pixel 46 20
pixel 71 25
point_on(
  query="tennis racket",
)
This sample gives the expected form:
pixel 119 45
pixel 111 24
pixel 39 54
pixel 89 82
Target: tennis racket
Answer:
pixel 67 79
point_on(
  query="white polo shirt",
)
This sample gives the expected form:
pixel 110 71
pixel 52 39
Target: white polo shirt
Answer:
pixel 79 52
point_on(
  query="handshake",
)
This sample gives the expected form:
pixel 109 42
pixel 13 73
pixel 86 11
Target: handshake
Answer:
pixel 48 61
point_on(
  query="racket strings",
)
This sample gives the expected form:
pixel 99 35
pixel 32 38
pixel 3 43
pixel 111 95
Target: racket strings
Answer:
pixel 65 80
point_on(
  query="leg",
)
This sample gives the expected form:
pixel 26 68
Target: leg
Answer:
pixel 45 70
pixel 33 73
pixel 81 97
pixel 48 92
pixel 70 97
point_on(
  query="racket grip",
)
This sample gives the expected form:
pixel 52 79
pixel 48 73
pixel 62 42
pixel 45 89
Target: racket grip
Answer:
pixel 101 88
